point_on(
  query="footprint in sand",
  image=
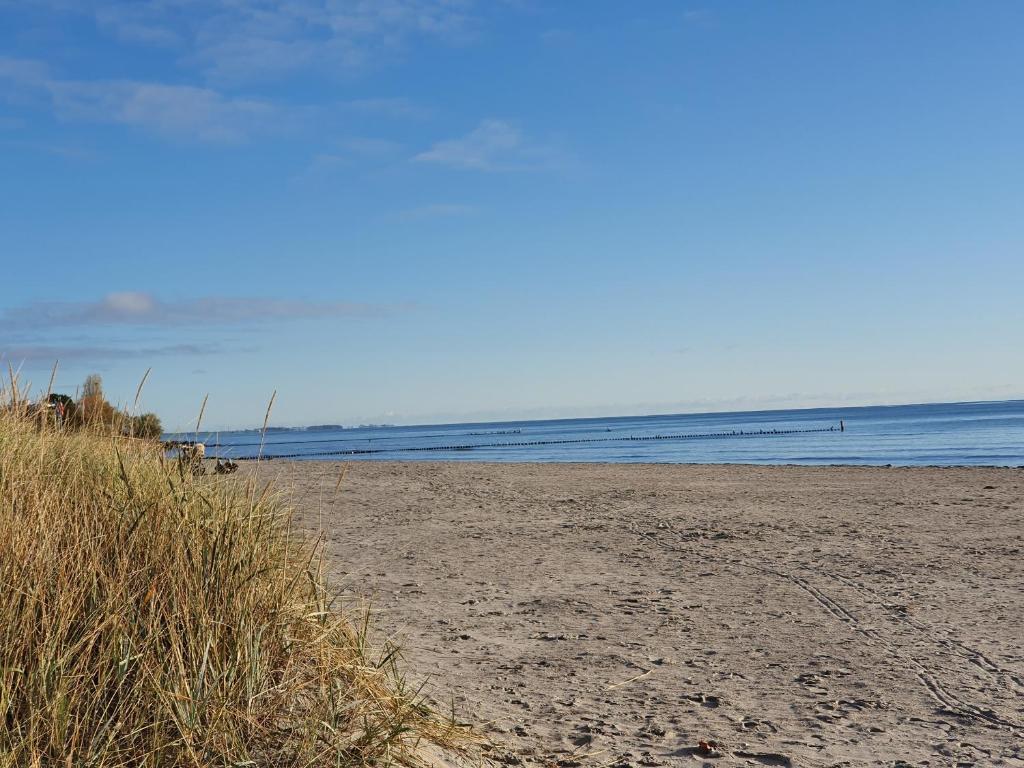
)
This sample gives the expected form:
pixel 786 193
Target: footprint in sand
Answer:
pixel 765 758
pixel 704 700
pixel 756 725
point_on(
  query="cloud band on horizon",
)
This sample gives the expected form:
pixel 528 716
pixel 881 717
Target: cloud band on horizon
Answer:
pixel 142 309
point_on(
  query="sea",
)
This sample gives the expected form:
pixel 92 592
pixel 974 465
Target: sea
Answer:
pixel 941 434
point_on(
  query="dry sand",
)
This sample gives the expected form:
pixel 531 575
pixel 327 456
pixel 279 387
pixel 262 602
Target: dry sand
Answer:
pixel 621 614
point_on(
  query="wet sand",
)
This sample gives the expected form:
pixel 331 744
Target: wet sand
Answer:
pixel 622 614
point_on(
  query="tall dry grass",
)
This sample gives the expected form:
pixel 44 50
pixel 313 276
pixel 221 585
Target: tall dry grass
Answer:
pixel 151 618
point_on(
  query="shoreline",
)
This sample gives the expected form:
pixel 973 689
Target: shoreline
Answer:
pixel 622 613
pixel 559 463
pixel 941 435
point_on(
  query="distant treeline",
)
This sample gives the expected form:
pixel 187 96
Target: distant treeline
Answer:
pixel 92 409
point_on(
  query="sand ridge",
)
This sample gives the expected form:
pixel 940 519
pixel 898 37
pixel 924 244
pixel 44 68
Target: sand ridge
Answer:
pixel 621 614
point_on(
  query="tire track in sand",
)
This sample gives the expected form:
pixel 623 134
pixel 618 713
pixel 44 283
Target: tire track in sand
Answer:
pixel 973 655
pixel 938 692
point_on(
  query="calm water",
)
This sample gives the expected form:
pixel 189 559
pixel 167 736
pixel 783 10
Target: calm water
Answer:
pixel 946 434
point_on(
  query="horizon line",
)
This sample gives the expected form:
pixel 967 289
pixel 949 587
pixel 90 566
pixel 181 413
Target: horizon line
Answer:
pixel 619 416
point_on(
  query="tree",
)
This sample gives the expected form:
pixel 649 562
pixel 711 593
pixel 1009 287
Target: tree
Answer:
pixel 146 425
pixel 93 407
pixel 93 411
pixel 93 386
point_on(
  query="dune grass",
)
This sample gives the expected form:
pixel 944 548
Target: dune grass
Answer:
pixel 150 618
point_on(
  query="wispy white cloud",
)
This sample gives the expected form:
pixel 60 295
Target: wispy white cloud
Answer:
pixel 180 111
pixel 223 44
pixel 323 163
pixel 69 152
pixel 438 211
pixel 249 39
pixel 171 110
pixel 26 73
pixel 369 146
pixel 135 324
pixel 481 148
pixel 346 153
pixel 244 40
pixel 701 16
pixel 394 107
pixel 557 37
pixel 494 145
pixel 48 353
pixel 139 309
pixel 135 23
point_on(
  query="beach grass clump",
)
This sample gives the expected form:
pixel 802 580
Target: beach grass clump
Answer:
pixel 152 618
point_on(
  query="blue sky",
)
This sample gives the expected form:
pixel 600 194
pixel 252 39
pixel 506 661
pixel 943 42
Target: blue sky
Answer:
pixel 432 210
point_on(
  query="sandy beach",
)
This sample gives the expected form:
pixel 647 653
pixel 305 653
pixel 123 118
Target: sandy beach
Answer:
pixel 622 614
